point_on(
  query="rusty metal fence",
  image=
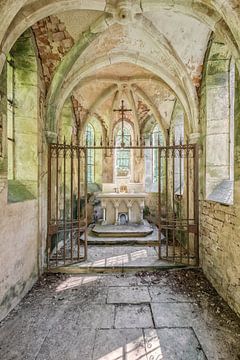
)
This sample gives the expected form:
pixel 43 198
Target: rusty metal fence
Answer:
pixel 178 214
pixel 67 199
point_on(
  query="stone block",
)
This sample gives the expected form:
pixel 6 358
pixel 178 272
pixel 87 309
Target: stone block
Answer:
pixel 91 316
pixel 128 295
pixel 61 27
pixel 174 314
pixel 59 36
pixel 133 316
pixel 127 344
pixel 159 344
pixel 165 295
pixel 67 43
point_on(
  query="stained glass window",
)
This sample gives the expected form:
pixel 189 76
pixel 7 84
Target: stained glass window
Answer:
pixel 123 156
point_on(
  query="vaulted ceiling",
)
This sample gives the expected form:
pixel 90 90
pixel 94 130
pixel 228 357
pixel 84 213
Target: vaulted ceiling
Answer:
pixel 148 53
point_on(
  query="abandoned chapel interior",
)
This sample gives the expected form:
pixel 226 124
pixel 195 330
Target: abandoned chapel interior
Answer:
pixel 119 155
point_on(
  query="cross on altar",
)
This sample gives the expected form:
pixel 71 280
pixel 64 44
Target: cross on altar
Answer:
pixel 122 110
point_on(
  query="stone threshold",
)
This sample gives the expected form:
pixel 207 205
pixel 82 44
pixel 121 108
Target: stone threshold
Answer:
pixel 118 259
pixel 73 269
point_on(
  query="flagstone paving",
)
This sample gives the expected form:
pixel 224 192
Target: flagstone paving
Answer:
pixel 167 315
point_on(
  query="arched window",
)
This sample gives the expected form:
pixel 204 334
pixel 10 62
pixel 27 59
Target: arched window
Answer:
pixel 177 134
pixel 219 146
pixel 123 156
pixel 22 120
pixel 90 153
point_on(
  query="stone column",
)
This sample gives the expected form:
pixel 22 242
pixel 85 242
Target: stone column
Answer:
pixel 104 214
pixel 116 214
pixel 129 212
pixel 141 212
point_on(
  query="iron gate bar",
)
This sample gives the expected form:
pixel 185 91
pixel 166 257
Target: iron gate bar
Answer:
pixel 173 196
pixel 86 198
pixel 166 205
pixel 196 207
pixel 175 221
pixel 180 199
pixel 159 206
pixel 188 239
pixel 79 198
pixel 49 204
pixel 64 201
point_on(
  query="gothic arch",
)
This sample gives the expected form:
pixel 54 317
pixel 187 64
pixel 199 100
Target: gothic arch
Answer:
pixel 218 16
pixel 54 111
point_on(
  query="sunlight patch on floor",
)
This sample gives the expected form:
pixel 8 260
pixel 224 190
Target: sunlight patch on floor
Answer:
pixel 74 282
pixel 138 349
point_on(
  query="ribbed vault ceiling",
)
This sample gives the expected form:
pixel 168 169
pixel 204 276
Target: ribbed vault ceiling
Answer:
pixel 149 52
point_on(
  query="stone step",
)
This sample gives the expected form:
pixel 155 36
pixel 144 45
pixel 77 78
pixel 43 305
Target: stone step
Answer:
pixel 121 242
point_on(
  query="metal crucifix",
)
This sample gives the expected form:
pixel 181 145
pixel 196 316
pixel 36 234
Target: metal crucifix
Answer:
pixel 122 110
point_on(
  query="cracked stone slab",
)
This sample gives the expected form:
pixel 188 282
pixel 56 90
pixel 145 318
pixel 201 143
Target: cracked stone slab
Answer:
pixel 174 314
pixel 127 344
pixel 133 316
pixel 90 316
pixel 22 337
pixel 172 344
pixel 165 294
pixel 121 280
pixel 67 341
pixel 128 295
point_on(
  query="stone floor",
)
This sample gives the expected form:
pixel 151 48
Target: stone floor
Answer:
pixel 126 240
pixel 131 230
pixel 167 315
pixel 117 258
pixel 121 258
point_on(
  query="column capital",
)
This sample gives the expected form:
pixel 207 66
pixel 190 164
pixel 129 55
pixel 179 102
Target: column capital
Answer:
pixel 51 136
pixel 194 138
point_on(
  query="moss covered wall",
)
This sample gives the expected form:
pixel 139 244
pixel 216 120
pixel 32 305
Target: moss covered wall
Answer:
pixel 25 115
pixel 220 224
pixel 23 223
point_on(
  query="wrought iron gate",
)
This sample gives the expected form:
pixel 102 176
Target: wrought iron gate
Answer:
pixel 178 207
pixel 178 214
pixel 67 204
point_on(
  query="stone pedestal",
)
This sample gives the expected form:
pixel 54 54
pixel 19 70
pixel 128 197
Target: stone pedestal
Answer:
pixel 115 204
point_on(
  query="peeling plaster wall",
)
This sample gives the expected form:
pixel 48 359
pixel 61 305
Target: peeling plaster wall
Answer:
pixel 23 223
pixel 187 35
pixel 19 251
pixel 53 42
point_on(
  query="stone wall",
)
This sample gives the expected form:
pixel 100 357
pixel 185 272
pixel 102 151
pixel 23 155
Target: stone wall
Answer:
pixel 23 221
pixel 220 249
pixel 220 224
pixel 19 251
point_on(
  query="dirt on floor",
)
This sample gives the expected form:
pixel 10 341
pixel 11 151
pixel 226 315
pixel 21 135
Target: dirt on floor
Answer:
pixel 195 285
pixel 180 307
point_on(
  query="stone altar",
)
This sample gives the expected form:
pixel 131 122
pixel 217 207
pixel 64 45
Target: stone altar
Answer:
pixel 122 203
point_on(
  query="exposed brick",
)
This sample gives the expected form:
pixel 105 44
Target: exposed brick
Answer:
pixel 67 43
pixel 58 36
pixel 50 32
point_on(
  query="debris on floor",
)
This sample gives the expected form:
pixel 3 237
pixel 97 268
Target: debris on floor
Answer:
pixel 167 315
